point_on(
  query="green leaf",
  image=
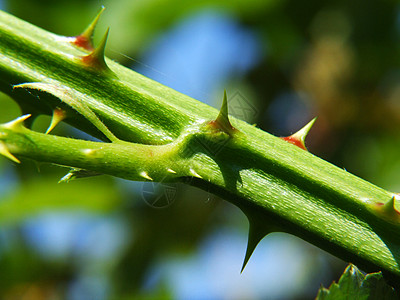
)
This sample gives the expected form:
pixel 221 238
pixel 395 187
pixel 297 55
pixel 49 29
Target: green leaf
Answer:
pixel 355 285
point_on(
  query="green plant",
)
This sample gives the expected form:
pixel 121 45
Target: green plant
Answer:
pixel 151 132
pixel 355 285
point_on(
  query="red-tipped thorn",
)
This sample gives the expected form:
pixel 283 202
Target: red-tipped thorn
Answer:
pixel 390 206
pixel 96 59
pixel 222 121
pixel 58 116
pixel 389 209
pixel 298 139
pixel 85 39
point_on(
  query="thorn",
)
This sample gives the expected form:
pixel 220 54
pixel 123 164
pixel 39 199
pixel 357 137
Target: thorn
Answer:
pixel 171 171
pixel 298 138
pixel 255 236
pixel 389 209
pixel 29 122
pixel 71 98
pixel 259 227
pixel 222 121
pixel 194 173
pixel 85 39
pixel 390 206
pixel 76 173
pixel 96 59
pixel 5 152
pixel 58 116
pixel 17 124
pixel 145 175
pixel 65 179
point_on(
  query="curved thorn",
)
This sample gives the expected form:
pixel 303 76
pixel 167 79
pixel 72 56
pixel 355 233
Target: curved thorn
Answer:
pixel 171 171
pixel 96 59
pixel 76 173
pixel 298 139
pixel 69 97
pixel 5 152
pixel 85 39
pixel 255 236
pixel 389 210
pixel 18 123
pixel 65 179
pixel 390 206
pixel 194 173
pixel 145 175
pixel 58 116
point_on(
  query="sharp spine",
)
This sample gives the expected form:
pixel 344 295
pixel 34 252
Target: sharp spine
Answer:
pixel 390 205
pixel 58 116
pixel 171 171
pixel 254 238
pixel 17 124
pixel 76 173
pixel 65 179
pixel 96 59
pixel 6 153
pixel 85 39
pixel 222 121
pixel 195 174
pixel 388 210
pixel 65 95
pixel 298 138
pixel 145 175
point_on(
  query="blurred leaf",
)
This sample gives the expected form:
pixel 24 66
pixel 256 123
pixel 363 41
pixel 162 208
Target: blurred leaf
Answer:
pixel 139 21
pixel 45 194
pixel 355 285
pixel 62 16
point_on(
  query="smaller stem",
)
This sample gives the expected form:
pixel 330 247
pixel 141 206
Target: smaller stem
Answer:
pixel 122 159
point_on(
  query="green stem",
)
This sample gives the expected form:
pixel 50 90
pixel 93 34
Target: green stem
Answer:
pixel 159 134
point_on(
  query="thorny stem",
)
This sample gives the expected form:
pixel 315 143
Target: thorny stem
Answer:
pixel 152 132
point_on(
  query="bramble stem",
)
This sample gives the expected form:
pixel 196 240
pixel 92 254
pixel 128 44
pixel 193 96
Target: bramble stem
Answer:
pixel 160 134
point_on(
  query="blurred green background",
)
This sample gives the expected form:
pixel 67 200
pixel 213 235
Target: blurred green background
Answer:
pixel 282 63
